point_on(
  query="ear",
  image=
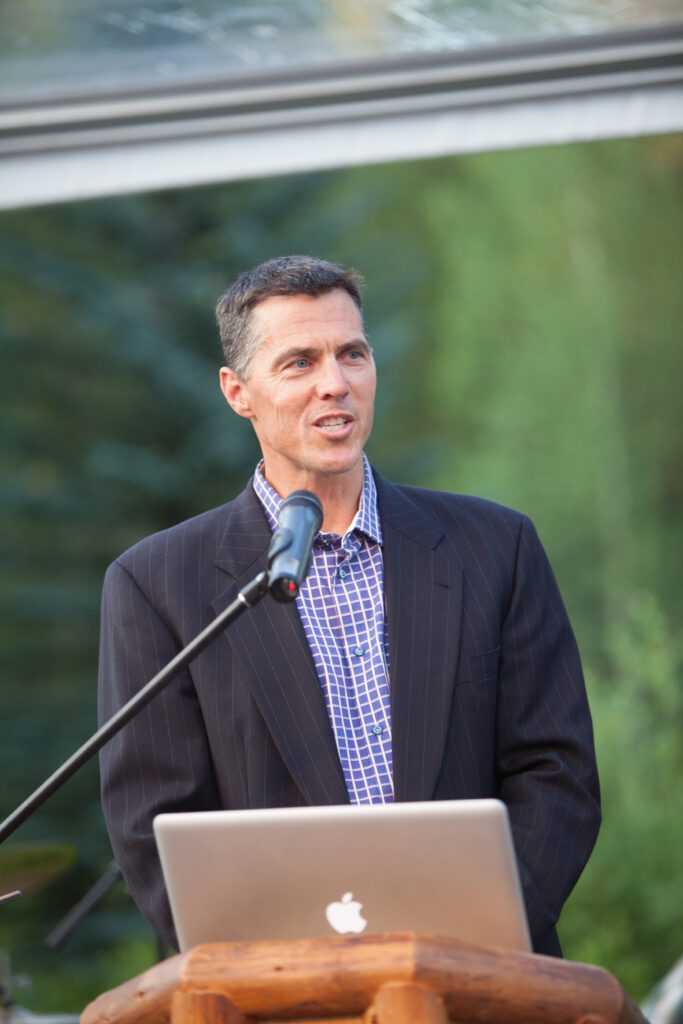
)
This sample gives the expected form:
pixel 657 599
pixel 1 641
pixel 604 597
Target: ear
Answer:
pixel 235 392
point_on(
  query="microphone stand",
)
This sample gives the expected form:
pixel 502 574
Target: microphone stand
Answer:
pixel 248 597
pixel 289 559
pixel 61 932
pixel 72 919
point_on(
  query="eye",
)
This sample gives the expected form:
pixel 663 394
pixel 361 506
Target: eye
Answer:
pixel 301 363
pixel 354 354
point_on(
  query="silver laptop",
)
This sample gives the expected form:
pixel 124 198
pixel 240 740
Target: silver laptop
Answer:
pixel 446 868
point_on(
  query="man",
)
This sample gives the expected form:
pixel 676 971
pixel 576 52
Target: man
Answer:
pixel 427 657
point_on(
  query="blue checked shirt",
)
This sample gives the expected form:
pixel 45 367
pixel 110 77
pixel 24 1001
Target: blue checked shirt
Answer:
pixel 341 604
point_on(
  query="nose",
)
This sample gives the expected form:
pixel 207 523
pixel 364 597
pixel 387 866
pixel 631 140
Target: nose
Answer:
pixel 331 381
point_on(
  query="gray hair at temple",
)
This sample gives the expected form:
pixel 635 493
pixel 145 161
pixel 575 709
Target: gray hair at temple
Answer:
pixel 284 275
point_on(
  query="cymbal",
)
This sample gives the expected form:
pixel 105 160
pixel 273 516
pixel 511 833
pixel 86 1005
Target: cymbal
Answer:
pixel 30 866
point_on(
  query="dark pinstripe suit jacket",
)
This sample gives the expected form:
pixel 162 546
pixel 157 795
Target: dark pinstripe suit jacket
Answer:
pixel 486 687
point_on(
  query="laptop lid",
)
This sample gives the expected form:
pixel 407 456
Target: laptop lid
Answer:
pixel 444 867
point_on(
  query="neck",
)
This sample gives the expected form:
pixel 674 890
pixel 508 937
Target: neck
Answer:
pixel 340 503
pixel 339 493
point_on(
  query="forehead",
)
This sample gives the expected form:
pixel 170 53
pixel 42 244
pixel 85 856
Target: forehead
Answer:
pixel 285 319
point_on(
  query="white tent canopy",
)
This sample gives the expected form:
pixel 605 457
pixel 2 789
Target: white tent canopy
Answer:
pixel 103 98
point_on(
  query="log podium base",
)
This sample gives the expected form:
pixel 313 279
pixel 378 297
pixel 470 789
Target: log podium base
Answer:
pixel 402 978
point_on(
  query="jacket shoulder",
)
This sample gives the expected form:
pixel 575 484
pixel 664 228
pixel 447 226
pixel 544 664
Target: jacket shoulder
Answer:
pixel 187 534
pixel 463 511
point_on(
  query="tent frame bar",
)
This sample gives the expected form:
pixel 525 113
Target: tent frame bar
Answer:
pixel 610 62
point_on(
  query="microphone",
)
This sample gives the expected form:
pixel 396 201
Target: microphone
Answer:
pixel 289 557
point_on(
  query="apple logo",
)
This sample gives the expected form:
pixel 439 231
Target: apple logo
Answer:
pixel 345 915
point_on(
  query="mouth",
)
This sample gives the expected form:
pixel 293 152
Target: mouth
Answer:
pixel 336 424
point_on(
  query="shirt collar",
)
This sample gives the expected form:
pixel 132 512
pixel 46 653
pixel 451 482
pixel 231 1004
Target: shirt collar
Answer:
pixel 366 519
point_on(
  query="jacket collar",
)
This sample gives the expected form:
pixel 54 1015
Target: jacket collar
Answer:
pixel 246 535
pixel 423 590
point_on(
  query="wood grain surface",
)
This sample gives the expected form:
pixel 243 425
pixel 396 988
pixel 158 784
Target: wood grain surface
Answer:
pixel 349 979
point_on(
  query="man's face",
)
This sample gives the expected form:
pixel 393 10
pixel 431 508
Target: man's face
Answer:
pixel 310 389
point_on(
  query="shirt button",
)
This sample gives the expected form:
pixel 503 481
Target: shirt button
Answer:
pixel 341 573
pixel 359 651
pixel 377 730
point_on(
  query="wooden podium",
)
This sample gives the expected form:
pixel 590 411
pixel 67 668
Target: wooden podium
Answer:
pixel 401 978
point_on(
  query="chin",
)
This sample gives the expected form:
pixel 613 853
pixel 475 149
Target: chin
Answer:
pixel 340 465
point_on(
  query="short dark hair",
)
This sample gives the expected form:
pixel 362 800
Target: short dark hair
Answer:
pixel 284 275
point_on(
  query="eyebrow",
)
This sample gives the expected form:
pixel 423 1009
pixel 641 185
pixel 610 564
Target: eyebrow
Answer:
pixel 308 352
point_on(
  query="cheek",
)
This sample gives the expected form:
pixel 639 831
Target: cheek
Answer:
pixel 368 393
pixel 283 418
pixel 286 410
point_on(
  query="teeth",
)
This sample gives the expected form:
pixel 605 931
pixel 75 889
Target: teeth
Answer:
pixel 333 421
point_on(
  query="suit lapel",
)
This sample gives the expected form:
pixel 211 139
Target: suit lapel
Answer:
pixel 423 597
pixel 271 647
